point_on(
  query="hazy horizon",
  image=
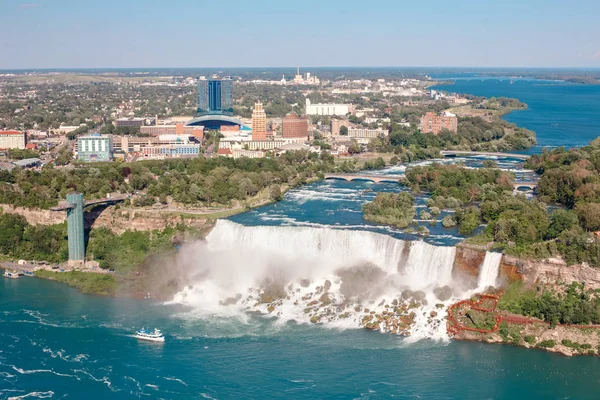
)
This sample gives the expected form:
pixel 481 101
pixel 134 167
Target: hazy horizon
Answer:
pixel 309 68
pixel 202 34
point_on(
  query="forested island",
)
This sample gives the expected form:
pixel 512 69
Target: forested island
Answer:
pixel 515 224
pixel 560 223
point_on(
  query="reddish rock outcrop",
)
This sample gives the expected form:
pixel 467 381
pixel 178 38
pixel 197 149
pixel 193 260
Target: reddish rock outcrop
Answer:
pixel 468 260
pixel 511 269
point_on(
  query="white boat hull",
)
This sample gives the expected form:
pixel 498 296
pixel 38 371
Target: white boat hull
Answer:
pixel 151 339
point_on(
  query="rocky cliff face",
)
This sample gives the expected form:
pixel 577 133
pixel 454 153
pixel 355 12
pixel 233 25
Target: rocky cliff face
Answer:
pixel 120 221
pixel 36 217
pixel 117 220
pixel 549 271
pixel 469 259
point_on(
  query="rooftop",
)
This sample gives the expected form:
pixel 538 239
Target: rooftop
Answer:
pixel 11 133
pixel 27 162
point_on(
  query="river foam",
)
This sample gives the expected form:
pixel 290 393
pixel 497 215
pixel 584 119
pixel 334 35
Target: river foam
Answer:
pixel 340 278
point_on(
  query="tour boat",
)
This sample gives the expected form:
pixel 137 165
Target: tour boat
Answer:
pixel 11 275
pixel 152 336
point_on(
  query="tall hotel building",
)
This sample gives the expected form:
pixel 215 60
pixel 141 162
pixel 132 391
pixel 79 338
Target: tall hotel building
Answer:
pixel 215 96
pixel 259 122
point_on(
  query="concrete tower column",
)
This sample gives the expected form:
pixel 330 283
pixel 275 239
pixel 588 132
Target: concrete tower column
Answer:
pixel 75 228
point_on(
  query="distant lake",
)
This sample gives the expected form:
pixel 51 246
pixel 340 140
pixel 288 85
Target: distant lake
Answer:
pixel 560 113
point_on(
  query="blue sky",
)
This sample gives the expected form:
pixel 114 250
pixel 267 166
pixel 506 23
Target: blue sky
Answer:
pixel 264 33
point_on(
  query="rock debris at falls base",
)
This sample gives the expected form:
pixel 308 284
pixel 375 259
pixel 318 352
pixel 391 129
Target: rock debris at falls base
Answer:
pixel 323 304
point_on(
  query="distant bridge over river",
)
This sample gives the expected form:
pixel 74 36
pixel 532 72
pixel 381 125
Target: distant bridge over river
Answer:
pixel 366 177
pixel 454 153
pixel 401 178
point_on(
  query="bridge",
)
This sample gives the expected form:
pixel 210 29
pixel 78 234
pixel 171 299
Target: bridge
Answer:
pixel 529 185
pixel 532 185
pixel 454 153
pixel 65 205
pixel 75 228
pixel 366 177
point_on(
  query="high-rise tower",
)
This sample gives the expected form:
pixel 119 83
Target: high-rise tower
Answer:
pixel 259 122
pixel 215 96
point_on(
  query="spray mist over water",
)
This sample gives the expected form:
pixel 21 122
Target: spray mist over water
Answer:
pixel 340 278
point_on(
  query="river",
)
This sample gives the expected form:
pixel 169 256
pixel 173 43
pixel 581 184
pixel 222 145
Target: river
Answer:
pixel 57 343
pixel 560 113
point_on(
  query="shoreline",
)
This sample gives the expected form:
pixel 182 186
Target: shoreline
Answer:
pixel 567 340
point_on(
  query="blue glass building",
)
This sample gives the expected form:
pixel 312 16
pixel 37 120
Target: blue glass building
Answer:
pixel 215 97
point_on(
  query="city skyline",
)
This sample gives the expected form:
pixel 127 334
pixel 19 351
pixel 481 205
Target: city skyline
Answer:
pixel 134 34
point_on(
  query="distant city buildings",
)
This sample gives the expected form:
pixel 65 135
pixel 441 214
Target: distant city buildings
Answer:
pixel 174 129
pixel 64 129
pixel 300 80
pixel 364 135
pixel 327 109
pixel 247 153
pixel 432 123
pixel 94 147
pixel 294 127
pixel 215 96
pixel 130 122
pixel 336 124
pixel 162 146
pixel 259 122
pixel 371 120
pixel 12 140
pixel 243 143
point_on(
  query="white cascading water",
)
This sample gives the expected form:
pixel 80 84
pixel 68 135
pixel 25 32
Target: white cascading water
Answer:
pixel 488 273
pixel 230 270
pixel 429 265
pixel 330 248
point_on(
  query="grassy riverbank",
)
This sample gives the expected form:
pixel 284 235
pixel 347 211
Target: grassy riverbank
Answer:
pixel 85 282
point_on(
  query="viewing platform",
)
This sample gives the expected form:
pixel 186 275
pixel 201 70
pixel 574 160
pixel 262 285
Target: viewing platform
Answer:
pixel 63 205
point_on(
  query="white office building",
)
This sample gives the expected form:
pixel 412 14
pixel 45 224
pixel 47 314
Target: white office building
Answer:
pixel 12 140
pixel 326 109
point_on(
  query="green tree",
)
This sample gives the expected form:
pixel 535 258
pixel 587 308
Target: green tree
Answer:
pixel 589 213
pixel 468 220
pixel 560 221
pixel 354 148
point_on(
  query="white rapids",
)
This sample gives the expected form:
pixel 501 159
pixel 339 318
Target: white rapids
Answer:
pixel 324 275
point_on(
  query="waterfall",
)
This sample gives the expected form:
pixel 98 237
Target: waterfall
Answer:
pixel 310 274
pixel 329 248
pixel 429 265
pixel 488 273
pixel 326 249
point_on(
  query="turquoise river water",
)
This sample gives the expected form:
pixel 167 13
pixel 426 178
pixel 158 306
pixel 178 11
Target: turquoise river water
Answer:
pixel 56 343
